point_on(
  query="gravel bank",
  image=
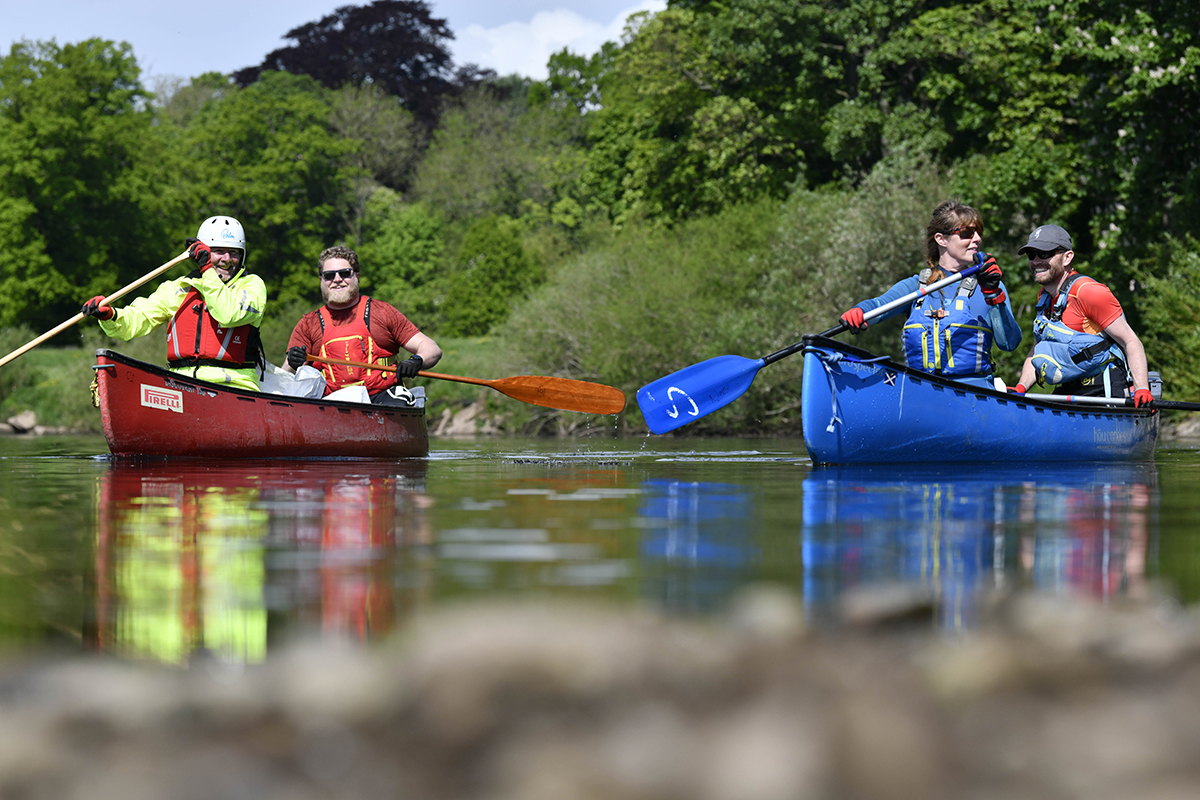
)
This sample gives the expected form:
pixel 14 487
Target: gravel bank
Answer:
pixel 1047 699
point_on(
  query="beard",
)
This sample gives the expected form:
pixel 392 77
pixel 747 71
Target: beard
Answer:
pixel 339 298
pixel 1053 273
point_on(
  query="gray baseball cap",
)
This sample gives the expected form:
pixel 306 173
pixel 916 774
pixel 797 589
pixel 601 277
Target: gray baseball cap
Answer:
pixel 1047 238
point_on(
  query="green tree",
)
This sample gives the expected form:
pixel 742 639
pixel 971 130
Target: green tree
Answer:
pixel 651 301
pixel 1169 308
pixel 1139 109
pixel 494 270
pixel 81 211
pixel 269 155
pixel 670 139
pixel 493 155
pixel 574 80
pixel 388 142
pixel 402 254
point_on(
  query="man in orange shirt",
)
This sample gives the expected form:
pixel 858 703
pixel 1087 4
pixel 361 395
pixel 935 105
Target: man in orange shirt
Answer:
pixel 354 327
pixel 1083 344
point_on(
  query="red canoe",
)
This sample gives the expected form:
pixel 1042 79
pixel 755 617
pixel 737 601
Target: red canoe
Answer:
pixel 150 411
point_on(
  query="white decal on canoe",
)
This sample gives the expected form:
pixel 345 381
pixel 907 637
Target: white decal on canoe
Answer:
pixel 674 412
pixel 165 399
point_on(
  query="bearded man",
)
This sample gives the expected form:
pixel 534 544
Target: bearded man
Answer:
pixel 354 327
pixel 1083 344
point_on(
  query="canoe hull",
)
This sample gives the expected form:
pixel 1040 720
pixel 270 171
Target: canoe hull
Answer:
pixel 858 409
pixel 150 411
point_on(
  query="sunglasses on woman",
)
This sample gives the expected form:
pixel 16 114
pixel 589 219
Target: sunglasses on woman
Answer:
pixel 344 274
pixel 966 232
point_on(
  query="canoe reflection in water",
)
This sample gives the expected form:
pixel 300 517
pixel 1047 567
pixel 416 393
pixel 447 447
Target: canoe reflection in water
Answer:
pixel 194 557
pixel 701 542
pixel 964 529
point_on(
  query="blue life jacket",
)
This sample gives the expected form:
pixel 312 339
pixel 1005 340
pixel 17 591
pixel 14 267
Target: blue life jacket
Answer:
pixel 949 335
pixel 1062 354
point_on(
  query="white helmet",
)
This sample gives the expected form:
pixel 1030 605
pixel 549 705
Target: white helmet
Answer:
pixel 223 232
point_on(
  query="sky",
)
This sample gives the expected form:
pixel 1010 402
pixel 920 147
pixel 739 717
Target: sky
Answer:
pixel 178 38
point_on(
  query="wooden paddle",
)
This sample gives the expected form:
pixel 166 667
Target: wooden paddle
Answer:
pixel 20 351
pixel 561 393
pixel 697 391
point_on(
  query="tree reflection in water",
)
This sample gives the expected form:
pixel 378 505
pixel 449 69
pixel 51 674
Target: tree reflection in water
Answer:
pixel 218 558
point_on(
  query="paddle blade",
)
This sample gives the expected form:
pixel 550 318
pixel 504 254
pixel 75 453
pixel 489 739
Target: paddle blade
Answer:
pixel 564 394
pixel 696 391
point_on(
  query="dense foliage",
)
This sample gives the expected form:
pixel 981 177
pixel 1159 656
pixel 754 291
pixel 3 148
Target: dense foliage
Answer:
pixel 77 178
pixel 726 177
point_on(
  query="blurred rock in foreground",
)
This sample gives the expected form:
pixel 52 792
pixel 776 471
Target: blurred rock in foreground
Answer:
pixel 1048 699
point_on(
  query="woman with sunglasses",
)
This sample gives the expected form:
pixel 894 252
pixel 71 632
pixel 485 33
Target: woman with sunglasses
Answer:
pixel 354 327
pixel 950 331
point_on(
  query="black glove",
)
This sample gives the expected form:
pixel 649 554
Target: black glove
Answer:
pixel 200 253
pixel 93 308
pixel 989 280
pixel 410 368
pixel 296 357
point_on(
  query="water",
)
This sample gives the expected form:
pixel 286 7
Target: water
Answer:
pixel 161 560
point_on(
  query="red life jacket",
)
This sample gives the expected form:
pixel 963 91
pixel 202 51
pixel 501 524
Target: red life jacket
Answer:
pixel 195 339
pixel 350 342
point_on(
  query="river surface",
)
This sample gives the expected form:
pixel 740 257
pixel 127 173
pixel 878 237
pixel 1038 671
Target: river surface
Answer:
pixel 162 560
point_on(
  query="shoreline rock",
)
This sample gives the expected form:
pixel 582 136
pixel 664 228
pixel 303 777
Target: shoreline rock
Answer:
pixel 25 422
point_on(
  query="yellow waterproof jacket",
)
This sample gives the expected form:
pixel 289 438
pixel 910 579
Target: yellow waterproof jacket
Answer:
pixel 239 302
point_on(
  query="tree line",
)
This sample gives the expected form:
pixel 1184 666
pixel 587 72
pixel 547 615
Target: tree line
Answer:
pixel 824 131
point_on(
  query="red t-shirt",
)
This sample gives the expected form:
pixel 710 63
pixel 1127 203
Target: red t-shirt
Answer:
pixel 1091 306
pixel 390 329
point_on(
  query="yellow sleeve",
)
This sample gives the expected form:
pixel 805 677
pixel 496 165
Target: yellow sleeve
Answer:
pixel 146 313
pixel 239 302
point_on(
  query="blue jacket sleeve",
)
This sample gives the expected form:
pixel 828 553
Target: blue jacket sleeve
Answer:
pixel 1005 330
pixel 906 286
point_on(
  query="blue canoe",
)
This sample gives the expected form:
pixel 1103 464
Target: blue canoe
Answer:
pixel 860 408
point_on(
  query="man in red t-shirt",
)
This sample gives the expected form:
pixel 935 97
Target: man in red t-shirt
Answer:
pixel 354 327
pixel 1090 309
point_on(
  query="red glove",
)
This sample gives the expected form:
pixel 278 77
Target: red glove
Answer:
pixel 1142 398
pixel 200 253
pixel 989 281
pixel 92 308
pixel 854 320
pixel 1019 388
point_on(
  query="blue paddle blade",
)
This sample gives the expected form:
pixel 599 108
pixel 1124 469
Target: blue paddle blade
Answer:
pixel 696 391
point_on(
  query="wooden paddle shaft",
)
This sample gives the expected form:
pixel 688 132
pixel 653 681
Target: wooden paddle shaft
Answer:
pixel 564 394
pixel 20 351
pixel 391 368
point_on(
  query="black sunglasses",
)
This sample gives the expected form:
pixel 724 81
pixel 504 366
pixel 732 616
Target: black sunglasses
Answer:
pixel 1046 255
pixel 966 231
pixel 344 274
